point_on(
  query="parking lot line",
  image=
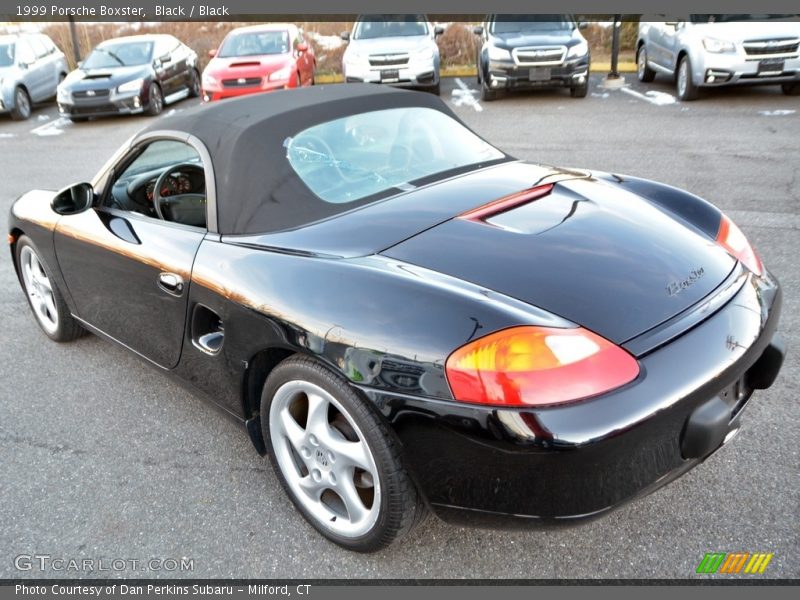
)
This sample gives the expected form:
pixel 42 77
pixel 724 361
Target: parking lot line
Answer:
pixel 464 95
pixel 653 97
pixel 51 128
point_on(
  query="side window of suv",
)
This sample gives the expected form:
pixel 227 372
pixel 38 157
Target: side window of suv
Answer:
pixel 25 54
pixel 38 47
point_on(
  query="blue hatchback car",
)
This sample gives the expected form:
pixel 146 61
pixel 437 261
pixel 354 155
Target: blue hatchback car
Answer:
pixel 31 67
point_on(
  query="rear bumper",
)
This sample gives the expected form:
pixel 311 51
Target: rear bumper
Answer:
pixel 560 465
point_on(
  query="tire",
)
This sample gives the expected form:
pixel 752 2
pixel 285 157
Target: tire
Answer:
pixel 437 89
pixel 487 95
pixel 643 72
pixel 156 103
pixel 791 89
pixel 684 85
pixel 579 91
pixel 194 84
pixel 44 297
pixel 379 491
pixel 22 105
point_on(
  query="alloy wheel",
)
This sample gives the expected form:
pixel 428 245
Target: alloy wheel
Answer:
pixel 641 64
pixel 39 290
pixel 325 459
pixel 682 76
pixel 23 103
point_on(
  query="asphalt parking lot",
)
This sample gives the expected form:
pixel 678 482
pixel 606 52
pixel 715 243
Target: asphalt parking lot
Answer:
pixel 101 457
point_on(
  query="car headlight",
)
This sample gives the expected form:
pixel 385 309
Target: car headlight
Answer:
pixel 424 54
pixel 496 53
pixel 209 81
pixel 281 74
pixel 579 49
pixel 131 86
pixel 715 45
pixel 353 58
pixel 62 95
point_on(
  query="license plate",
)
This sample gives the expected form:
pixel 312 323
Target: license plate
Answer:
pixel 390 75
pixel 770 66
pixel 539 74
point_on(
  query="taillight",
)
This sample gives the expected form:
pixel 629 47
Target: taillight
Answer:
pixel 736 244
pixel 537 366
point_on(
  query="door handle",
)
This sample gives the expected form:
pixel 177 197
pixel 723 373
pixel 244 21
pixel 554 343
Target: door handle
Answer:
pixel 171 283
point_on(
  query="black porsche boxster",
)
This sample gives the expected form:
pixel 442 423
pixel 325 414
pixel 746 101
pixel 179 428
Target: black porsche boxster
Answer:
pixel 406 318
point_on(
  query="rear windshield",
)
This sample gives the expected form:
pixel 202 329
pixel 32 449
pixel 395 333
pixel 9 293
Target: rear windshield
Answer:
pixel 6 54
pixel 373 153
pixel 125 54
pixel 255 43
pixel 390 26
pixel 523 23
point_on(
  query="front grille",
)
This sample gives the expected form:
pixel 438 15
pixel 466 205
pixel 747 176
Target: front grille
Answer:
pixel 93 110
pixel 388 60
pixel 242 82
pixel 539 55
pixel 785 48
pixel 91 94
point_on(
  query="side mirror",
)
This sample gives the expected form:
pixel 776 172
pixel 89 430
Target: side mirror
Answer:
pixel 73 199
pixel 345 35
pixel 212 53
pixel 583 25
pixel 438 30
pixel 302 47
pixel 23 65
pixel 478 30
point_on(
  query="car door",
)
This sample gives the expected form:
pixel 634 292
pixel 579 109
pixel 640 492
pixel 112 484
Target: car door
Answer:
pixel 44 65
pixel 127 271
pixel 34 77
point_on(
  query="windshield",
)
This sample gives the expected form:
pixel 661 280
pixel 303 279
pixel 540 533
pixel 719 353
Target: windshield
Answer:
pixel 534 23
pixel 125 54
pixel 6 54
pixel 255 43
pixel 371 153
pixel 731 18
pixel 390 26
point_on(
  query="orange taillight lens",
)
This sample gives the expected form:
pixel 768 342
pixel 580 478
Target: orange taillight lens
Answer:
pixel 737 245
pixel 537 366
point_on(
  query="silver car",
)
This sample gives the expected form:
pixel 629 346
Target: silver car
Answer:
pixel 719 50
pixel 395 49
pixel 31 67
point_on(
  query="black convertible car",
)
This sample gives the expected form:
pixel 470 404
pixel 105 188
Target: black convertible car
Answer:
pixel 405 317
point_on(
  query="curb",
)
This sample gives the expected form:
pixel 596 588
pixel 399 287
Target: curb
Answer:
pixel 596 67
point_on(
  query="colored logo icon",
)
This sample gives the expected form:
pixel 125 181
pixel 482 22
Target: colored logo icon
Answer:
pixel 735 562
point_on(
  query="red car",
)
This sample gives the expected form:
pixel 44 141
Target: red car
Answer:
pixel 256 59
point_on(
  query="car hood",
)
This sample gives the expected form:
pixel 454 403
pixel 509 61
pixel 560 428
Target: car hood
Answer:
pixel 247 66
pixel 589 251
pixel 739 31
pixel 80 79
pixel 386 45
pixel 522 39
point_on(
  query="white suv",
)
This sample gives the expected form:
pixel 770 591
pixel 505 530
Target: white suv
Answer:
pixel 395 49
pixel 717 50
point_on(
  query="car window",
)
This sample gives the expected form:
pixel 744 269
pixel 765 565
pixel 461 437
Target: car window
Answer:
pixel 254 43
pixel 25 54
pixel 48 43
pixel 366 154
pixel 121 54
pixel 178 168
pixel 524 23
pixel 6 54
pixel 38 47
pixel 390 26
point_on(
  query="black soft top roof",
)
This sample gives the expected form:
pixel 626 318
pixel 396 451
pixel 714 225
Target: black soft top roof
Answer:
pixel 257 189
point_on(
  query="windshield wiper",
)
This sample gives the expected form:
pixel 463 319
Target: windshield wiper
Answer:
pixel 111 54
